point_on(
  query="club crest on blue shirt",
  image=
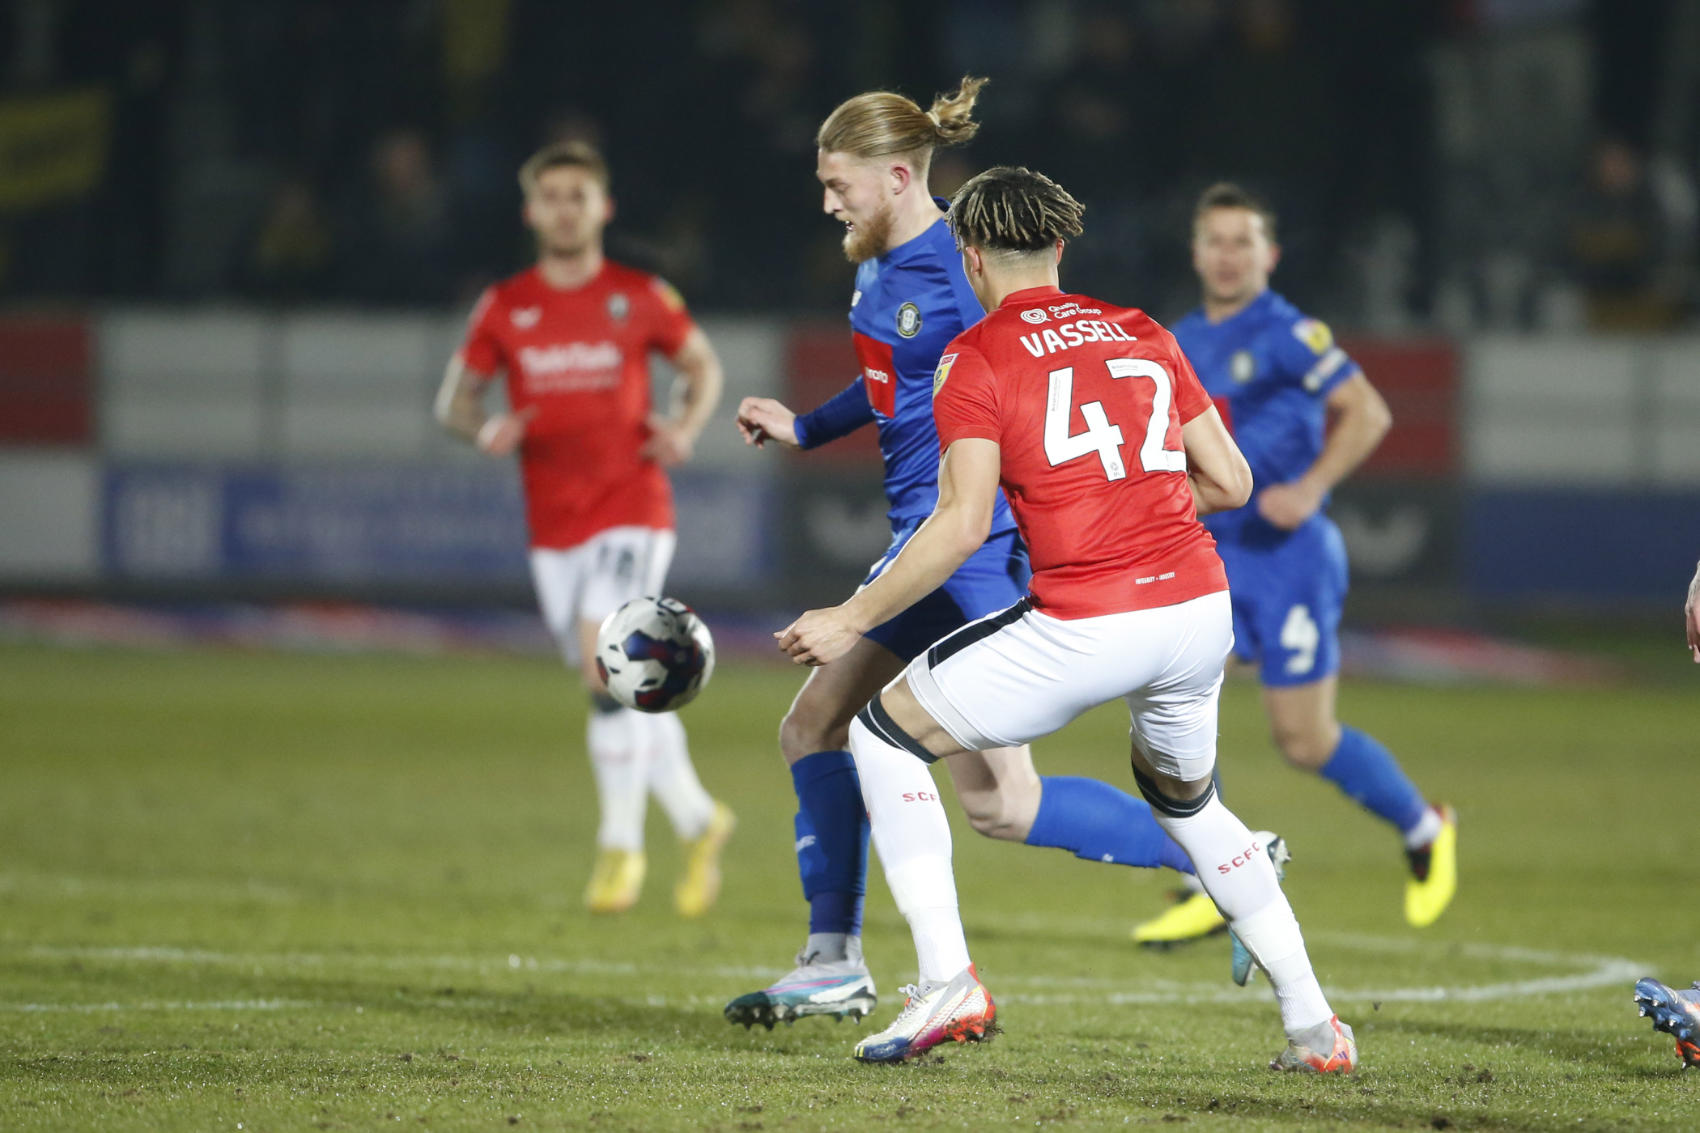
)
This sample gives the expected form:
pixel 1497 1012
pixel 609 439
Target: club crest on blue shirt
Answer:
pixel 618 306
pixel 908 320
pixel 1242 366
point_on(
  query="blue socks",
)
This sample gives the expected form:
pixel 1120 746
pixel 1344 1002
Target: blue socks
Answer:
pixel 832 841
pixel 1101 824
pixel 1370 776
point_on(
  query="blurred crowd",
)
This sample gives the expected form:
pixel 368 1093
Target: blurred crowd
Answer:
pixel 1501 163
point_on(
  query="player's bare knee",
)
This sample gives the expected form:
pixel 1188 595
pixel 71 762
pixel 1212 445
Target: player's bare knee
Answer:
pixel 994 815
pixel 804 731
pixel 1304 748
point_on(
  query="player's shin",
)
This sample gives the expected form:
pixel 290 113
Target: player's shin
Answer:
pixel 912 835
pixel 1097 822
pixel 1369 774
pixel 832 851
pixel 619 760
pixel 1235 870
pixel 672 778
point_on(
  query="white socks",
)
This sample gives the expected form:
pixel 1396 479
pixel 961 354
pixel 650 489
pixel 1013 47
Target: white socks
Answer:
pixel 912 837
pixel 632 754
pixel 1234 868
pixel 672 777
pixel 620 763
pixel 1425 831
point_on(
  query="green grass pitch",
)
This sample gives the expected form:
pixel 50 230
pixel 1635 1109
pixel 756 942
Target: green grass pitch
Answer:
pixel 264 892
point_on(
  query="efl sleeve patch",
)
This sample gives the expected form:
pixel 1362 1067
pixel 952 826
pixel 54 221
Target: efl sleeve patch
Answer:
pixel 967 407
pixel 941 374
pixel 669 296
pixel 1314 333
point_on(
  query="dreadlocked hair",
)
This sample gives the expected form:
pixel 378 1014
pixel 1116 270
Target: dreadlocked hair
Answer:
pixel 1013 209
pixel 883 124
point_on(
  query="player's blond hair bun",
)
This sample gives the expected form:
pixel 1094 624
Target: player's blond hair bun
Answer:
pixel 884 124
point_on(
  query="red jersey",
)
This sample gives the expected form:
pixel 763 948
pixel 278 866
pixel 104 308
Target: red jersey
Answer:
pixel 578 359
pixel 1086 402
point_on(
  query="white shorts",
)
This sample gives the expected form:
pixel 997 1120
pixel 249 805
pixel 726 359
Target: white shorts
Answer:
pixel 1014 676
pixel 592 580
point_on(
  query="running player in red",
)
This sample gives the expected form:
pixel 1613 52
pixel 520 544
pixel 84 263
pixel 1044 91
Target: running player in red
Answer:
pixel 573 336
pixel 1107 447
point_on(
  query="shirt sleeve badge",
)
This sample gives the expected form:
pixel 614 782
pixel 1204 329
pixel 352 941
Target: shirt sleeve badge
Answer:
pixel 1314 333
pixel 669 295
pixel 942 373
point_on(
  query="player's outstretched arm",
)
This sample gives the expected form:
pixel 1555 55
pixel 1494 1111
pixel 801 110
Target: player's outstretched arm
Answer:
pixel 1217 473
pixel 701 378
pixel 762 419
pixel 1691 615
pixel 968 484
pixel 460 410
pixel 1358 419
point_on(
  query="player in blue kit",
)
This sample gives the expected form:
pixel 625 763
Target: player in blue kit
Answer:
pixel 1305 416
pixel 911 299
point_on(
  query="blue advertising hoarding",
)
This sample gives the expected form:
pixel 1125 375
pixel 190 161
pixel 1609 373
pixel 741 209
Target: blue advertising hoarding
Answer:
pixel 368 525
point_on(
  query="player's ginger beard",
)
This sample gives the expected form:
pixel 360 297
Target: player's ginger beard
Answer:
pixel 865 241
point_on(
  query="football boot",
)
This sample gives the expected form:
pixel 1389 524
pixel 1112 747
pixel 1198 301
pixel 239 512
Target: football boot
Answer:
pixel 1434 873
pixel 615 880
pixel 814 987
pixel 955 1010
pixel 1327 1048
pixel 700 883
pixel 1676 1013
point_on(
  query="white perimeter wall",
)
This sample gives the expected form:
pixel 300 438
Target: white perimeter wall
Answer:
pixel 329 387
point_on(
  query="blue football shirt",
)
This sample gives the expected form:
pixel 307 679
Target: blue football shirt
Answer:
pixel 1269 370
pixel 908 305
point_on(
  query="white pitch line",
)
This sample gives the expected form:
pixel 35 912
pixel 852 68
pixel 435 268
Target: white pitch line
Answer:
pixel 163 1005
pixel 1597 971
pixel 386 961
pixel 1611 973
pixel 145 889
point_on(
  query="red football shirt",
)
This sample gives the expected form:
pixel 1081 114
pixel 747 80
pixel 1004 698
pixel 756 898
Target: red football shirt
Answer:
pixel 1086 402
pixel 579 359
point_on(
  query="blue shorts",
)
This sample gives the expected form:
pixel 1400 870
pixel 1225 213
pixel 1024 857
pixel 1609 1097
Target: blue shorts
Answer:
pixel 994 578
pixel 1288 590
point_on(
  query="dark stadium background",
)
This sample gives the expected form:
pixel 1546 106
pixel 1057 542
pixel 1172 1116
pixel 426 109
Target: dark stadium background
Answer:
pixel 237 241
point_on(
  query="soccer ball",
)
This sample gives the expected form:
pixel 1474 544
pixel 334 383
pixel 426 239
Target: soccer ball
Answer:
pixel 654 654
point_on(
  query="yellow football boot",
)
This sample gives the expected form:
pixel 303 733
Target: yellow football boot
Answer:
pixel 615 881
pixel 1193 917
pixel 700 885
pixel 1434 874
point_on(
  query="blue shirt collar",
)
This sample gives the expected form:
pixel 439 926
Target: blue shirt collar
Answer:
pixel 1263 300
pixel 937 237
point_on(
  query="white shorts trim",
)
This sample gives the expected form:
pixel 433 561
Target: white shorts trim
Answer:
pixel 592 580
pixel 1033 674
